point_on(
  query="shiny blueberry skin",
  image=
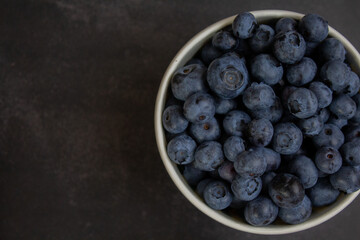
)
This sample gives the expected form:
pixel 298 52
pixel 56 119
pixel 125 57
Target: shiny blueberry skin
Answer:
pixel 302 103
pixel 297 214
pixel 193 175
pixel 250 163
pixel 322 92
pixel 331 49
pixel 353 86
pixel 330 136
pixel 244 25
pixel 199 107
pixel 313 27
pixel 200 187
pixel 233 146
pixel 217 195
pixel 188 80
pixel 339 122
pixel 227 76
pixel 289 47
pixel 351 153
pixel 352 132
pixel 227 171
pixel 224 40
pixel 335 74
pixel 272 158
pixel 324 114
pixel 273 113
pixel 266 180
pixel 181 149
pixel 356 118
pixel 223 106
pixel 258 96
pixel 207 131
pixel 246 189
pixel 209 53
pixel 302 72
pixel 286 190
pixel 347 179
pixel 311 126
pixel 322 193
pixel 285 24
pixel 287 138
pixel 305 169
pixel 343 106
pixel 235 122
pixel 173 119
pixel 261 211
pixel 265 68
pixel 328 160
pixel 208 156
pixel 260 132
pixel 262 38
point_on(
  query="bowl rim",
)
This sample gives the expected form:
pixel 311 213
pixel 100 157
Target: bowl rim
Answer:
pixel 172 169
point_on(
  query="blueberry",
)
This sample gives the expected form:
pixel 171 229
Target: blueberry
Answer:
pixel 285 25
pixel 336 75
pixel 356 117
pixel 260 132
pixel 250 163
pixel 217 195
pixel 273 113
pixel 223 106
pixel 311 48
pixel 209 53
pixel 353 86
pixel 331 49
pixel 328 160
pixel 208 156
pixel 244 25
pixel 302 103
pixel 227 171
pixel 246 189
pixel 258 96
pixel 193 175
pixel 313 27
pixel 272 158
pixel 305 169
pixel 339 122
pixel 324 114
pixel 233 146
pixel 228 76
pixel 199 107
pixel 330 136
pixel 262 38
pixel 202 185
pixel 351 153
pixel 286 190
pixel 261 212
pixel 289 47
pixel 347 179
pixel 287 138
pixel 311 126
pixel 267 69
pixel 235 122
pixel 181 149
pixel 173 119
pixel 266 180
pixel 188 80
pixel 343 106
pixel 207 131
pixel 323 193
pixel 285 94
pixel 352 132
pixel 302 72
pixel 297 214
pixel 224 40
pixel 322 92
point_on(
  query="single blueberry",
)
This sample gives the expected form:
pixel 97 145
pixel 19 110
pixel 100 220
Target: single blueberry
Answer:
pixel 323 193
pixel 193 175
pixel 331 49
pixel 328 160
pixel 336 75
pixel 262 38
pixel 329 136
pixel 289 47
pixel 339 122
pixel 343 106
pixel 272 158
pixel 235 122
pixel 273 113
pixel 324 114
pixel 188 80
pixel 265 68
pixel 313 27
pixel 260 132
pixel 199 107
pixel 285 24
pixel 223 106
pixel 322 92
pixel 266 180
pixel 217 195
pixel 302 103
pixel 181 149
pixel 244 25
pixel 209 53
pixel 250 163
pixel 233 146
pixel 208 156
pixel 287 138
pixel 311 126
pixel 200 187
pixel 302 72
pixel 173 119
pixel 347 179
pixel 207 131
pixel 353 86
pixel 351 153
pixel 246 189
pixel 297 214
pixel 258 96
pixel 224 40
pixel 356 118
pixel 227 171
pixel 305 169
pixel 261 211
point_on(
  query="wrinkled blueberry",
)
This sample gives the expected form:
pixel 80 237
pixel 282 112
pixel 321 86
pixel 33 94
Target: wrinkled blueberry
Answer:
pixel 289 47
pixel 262 38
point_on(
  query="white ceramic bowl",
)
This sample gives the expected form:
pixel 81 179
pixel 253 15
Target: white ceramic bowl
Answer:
pixel 319 215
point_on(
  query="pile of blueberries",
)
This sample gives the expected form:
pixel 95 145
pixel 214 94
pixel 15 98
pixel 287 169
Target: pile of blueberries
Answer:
pixel 265 119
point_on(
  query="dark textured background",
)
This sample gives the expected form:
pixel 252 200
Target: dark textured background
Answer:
pixel 78 81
